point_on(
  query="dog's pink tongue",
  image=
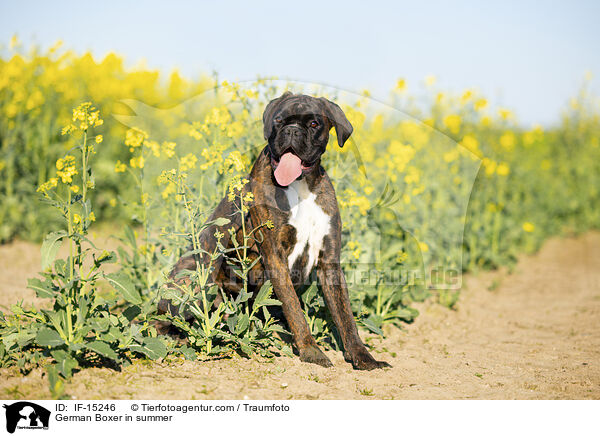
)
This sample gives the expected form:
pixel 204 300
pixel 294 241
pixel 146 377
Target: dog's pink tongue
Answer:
pixel 288 170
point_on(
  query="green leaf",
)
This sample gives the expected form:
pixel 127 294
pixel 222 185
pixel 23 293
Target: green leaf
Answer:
pixel 125 286
pixel 270 302
pixel 404 314
pixel 50 247
pixel 57 386
pixel 42 289
pixel 56 318
pixel 188 353
pixel 370 325
pixel 64 363
pixel 25 337
pixel 131 312
pixel 153 348
pixel 245 349
pixel 309 294
pixel 219 222
pixel 242 324
pixel 109 257
pixel 130 235
pixel 231 322
pixel 48 338
pixel 102 348
pixel 264 293
pixel 287 351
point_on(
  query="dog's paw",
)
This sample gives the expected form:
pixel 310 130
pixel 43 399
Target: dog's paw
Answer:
pixel 362 360
pixel 314 355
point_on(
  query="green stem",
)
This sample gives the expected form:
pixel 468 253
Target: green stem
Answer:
pixel 84 172
pixel 70 236
pixel 71 268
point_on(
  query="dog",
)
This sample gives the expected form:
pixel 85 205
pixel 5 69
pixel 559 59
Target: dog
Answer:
pixel 293 192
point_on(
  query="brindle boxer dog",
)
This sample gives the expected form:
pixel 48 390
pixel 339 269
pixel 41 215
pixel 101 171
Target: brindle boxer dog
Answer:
pixel 293 191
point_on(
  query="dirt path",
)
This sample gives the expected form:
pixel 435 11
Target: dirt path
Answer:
pixel 532 334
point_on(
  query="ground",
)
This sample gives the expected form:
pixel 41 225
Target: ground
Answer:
pixel 530 334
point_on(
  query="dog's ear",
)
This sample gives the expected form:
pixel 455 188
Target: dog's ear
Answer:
pixel 337 117
pixel 270 111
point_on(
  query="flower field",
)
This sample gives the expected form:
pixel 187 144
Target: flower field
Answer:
pixel 430 186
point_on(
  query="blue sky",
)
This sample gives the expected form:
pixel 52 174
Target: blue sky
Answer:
pixel 528 56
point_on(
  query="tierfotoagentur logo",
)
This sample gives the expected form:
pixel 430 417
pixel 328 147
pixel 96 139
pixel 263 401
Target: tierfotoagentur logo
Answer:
pixel 25 415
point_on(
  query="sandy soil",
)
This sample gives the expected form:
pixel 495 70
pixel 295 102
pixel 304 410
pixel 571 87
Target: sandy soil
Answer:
pixel 532 334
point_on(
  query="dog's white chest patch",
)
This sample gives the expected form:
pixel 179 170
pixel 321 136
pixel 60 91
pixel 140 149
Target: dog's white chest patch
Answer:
pixel 310 222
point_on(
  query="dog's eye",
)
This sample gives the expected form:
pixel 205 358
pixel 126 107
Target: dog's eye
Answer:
pixel 314 123
pixel 278 120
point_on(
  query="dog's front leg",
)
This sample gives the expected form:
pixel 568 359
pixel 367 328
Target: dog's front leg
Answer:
pixel 334 288
pixel 277 271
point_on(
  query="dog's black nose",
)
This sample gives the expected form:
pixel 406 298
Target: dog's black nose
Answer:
pixel 291 132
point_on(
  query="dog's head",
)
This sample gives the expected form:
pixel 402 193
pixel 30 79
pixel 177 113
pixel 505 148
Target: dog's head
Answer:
pixel 297 129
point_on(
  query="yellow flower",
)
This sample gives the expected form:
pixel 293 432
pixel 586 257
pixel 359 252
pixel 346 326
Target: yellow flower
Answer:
pixel 235 187
pixel 451 156
pixel 234 129
pixel 401 85
pixel 76 218
pixel 75 189
pixel 120 167
pixel 168 148
pixel 401 256
pixel 154 146
pixel 400 155
pixel 362 203
pixel 137 162
pixel 424 247
pixel 169 189
pixel 502 170
pixel 66 169
pixel 251 93
pixel 92 217
pixel 87 116
pixel 453 122
pixel 135 137
pixel 505 114
pixel 489 165
pixel 188 162
pixel 412 175
pixel 480 103
pixel 99 139
pixel 234 161
pixel 508 140
pixel 470 143
pixel 466 97
pixel 45 187
pixel 112 202
pixel 68 129
pixel 14 41
pixel 528 227
pixel 249 197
